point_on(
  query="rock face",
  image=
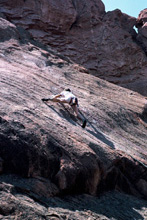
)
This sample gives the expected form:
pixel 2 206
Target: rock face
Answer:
pixel 142 29
pixel 104 43
pixel 17 204
pixel 44 152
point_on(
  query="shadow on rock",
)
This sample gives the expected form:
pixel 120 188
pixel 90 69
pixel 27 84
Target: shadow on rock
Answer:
pixel 101 137
pixel 65 114
pixel 112 205
pixel 98 134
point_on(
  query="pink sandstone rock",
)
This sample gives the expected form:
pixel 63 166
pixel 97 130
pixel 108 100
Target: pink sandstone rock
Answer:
pixel 102 42
pixel 45 154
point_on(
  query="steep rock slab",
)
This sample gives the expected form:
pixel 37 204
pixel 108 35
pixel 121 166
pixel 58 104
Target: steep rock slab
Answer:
pixel 47 141
pixel 102 42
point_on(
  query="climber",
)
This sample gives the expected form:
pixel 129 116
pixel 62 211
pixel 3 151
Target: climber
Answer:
pixel 66 96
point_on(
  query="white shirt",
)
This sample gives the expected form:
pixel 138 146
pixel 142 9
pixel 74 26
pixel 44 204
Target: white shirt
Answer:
pixel 67 96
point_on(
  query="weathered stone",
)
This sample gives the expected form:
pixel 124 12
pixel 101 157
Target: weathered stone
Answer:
pixel 142 29
pixel 7 30
pixel 43 141
pixel 43 147
pixel 104 43
pixel 14 205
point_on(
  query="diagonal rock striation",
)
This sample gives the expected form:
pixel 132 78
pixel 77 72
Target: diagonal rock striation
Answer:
pixel 105 43
pixel 44 152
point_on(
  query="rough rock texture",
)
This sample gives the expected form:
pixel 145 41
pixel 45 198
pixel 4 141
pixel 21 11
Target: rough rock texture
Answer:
pixel 17 203
pixel 44 146
pixel 105 43
pixel 142 29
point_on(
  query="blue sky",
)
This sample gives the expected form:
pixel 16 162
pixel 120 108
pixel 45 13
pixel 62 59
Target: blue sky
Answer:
pixel 130 7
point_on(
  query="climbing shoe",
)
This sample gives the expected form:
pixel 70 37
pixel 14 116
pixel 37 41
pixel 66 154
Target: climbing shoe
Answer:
pixel 45 100
pixel 84 124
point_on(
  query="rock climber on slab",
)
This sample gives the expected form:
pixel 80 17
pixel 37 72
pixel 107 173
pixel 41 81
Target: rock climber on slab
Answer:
pixel 66 96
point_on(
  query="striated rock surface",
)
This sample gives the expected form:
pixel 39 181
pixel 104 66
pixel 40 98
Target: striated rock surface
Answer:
pixel 104 43
pixel 142 29
pixel 17 204
pixel 45 153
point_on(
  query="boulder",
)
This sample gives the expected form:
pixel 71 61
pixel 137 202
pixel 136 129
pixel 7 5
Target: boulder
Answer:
pixel 7 30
